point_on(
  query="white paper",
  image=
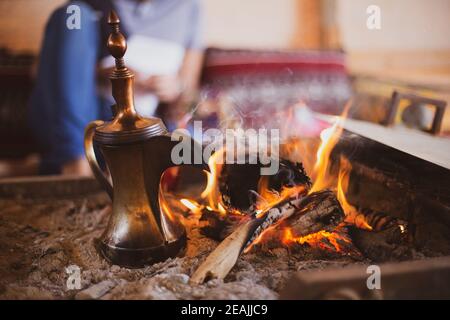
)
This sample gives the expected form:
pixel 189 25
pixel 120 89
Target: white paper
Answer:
pixel 148 57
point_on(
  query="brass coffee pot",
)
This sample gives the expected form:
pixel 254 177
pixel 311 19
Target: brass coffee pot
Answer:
pixel 137 151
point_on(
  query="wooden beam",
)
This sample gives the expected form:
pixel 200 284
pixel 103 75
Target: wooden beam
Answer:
pixel 308 35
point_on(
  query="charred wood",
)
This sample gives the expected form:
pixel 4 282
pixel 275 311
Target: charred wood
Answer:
pixel 238 183
pixel 318 211
pixel 389 238
pixel 218 226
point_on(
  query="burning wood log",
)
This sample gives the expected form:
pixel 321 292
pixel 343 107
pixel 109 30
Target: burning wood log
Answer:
pixel 219 263
pixel 239 184
pixel 318 220
pixel 380 221
pixel 273 216
pixel 319 211
pixel 315 212
pixel 222 259
pixel 389 238
pixel 243 190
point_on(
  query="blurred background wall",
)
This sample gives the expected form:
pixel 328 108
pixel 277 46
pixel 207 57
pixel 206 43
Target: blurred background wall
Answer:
pixel 406 24
pixel 230 23
pixel 414 40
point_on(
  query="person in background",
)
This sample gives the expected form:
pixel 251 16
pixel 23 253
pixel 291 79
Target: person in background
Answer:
pixel 74 65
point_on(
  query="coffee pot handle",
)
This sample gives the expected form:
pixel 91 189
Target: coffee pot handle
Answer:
pixel 92 159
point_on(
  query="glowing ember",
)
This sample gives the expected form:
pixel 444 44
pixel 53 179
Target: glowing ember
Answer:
pixel 264 235
pixel 221 209
pixel 319 239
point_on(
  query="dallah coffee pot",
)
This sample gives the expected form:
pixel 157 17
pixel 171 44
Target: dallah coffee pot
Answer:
pixel 137 151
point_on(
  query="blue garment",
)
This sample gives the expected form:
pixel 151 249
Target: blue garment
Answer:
pixel 64 99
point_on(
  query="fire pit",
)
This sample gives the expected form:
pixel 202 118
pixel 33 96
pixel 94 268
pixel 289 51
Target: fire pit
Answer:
pixel 343 208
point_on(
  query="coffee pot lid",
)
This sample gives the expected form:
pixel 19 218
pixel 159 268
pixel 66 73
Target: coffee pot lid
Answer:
pixel 127 125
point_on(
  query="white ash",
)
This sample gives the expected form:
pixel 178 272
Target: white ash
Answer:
pixel 39 239
pixel 96 291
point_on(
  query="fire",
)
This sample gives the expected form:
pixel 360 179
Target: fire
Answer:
pixel 351 213
pixel 211 192
pixel 210 195
pixel 221 209
pixel 301 150
pixel 192 205
pixel 318 239
pixel 266 234
pixel 266 197
pixel 329 138
pixel 269 198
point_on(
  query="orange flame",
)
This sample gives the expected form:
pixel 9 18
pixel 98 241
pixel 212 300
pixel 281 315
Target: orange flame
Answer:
pixel 266 234
pixel 318 239
pixel 270 198
pixel 351 213
pixel 329 138
pixel 300 150
pixel 211 192
pixel 192 205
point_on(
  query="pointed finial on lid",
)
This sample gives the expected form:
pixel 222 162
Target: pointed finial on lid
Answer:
pixel 117 44
pixel 113 18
